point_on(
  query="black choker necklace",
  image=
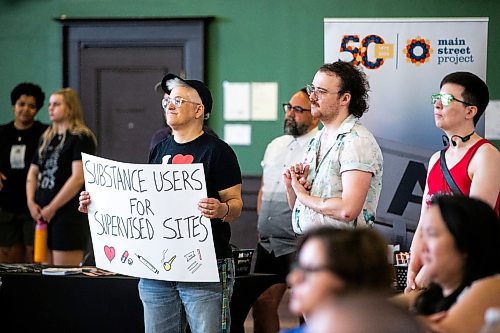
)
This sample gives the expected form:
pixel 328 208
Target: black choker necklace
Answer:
pixel 466 138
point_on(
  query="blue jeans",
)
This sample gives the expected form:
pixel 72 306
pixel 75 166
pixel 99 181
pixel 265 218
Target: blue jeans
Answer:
pixel 205 305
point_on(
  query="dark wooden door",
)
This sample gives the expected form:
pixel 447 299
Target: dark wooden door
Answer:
pixel 115 64
pixel 119 99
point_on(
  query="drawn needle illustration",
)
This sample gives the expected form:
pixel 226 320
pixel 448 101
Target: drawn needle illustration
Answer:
pixel 168 265
pixel 147 264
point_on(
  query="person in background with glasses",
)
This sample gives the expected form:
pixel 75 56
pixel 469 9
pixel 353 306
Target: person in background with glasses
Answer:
pixel 337 262
pixel 168 305
pixel 473 161
pixel 343 163
pixel 277 242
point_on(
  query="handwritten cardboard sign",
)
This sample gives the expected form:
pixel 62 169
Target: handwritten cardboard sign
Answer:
pixel 144 220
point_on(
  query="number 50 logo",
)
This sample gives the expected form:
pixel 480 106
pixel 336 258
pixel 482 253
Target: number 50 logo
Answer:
pixel 359 51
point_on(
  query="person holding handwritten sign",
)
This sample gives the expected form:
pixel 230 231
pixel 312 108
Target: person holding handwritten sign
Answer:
pixel 55 178
pixel 204 305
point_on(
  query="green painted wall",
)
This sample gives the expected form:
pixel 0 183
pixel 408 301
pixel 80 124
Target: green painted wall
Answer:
pixel 260 40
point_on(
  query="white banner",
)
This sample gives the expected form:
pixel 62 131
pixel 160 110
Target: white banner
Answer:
pixel 144 220
pixel 405 60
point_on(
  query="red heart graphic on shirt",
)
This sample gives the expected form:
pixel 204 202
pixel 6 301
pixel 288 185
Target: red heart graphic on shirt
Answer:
pixel 182 159
pixel 110 252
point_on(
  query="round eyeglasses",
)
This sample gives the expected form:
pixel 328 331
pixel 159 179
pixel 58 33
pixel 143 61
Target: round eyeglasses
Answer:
pixel 299 109
pixel 308 271
pixel 446 99
pixel 176 101
pixel 311 89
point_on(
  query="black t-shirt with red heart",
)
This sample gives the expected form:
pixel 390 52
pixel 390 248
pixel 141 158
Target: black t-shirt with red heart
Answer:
pixel 222 171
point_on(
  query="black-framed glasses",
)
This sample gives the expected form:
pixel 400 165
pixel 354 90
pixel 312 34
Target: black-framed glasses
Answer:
pixel 177 101
pixel 307 271
pixel 311 89
pixel 446 99
pixel 299 109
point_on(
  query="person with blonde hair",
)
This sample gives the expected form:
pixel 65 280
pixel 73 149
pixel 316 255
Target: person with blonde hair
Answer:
pixel 55 178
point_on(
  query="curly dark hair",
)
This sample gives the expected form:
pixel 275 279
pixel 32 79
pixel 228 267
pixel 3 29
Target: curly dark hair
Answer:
pixel 354 82
pixel 28 89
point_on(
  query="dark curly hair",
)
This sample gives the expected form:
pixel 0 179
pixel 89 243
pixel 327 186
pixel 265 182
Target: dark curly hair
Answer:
pixel 354 82
pixel 28 89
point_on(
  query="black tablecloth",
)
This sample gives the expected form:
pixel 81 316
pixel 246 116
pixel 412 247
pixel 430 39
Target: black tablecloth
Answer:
pixel 32 302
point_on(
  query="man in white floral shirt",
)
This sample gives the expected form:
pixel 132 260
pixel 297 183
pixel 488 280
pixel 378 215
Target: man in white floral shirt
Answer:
pixel 340 179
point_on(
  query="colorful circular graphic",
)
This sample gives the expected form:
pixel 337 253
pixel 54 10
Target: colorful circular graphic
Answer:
pixel 418 50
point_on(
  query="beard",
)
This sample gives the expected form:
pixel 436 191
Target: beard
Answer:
pixel 292 128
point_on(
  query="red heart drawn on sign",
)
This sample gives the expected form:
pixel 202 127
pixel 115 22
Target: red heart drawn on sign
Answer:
pixel 110 252
pixel 182 159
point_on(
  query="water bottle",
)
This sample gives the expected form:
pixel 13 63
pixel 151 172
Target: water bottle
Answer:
pixel 40 255
pixel 491 321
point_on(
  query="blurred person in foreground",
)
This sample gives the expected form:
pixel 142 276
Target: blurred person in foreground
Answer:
pixel 362 313
pixel 333 262
pixel 460 248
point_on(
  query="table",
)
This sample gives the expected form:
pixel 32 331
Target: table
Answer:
pixel 78 303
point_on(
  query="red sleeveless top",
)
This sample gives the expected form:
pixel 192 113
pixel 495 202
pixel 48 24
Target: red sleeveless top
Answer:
pixel 436 183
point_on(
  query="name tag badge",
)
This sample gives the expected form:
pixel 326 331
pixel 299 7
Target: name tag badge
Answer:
pixel 17 153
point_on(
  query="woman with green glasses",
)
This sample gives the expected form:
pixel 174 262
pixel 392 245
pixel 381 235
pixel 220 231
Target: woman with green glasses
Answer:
pixel 472 161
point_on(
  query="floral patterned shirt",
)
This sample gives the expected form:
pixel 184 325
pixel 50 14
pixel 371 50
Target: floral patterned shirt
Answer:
pixel 355 148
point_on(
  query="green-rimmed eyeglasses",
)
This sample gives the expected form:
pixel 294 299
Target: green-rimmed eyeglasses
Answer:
pixel 299 109
pixel 177 101
pixel 446 99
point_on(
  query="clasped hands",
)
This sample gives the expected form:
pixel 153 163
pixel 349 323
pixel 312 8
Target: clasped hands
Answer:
pixel 41 213
pixel 295 177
